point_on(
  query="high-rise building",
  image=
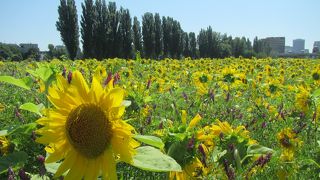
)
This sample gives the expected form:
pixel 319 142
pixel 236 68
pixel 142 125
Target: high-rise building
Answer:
pixel 316 47
pixel 277 44
pixel 298 46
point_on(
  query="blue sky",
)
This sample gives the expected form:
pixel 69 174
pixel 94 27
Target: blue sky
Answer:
pixel 33 21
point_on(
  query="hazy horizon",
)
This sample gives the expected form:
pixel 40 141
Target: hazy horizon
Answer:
pixel 33 21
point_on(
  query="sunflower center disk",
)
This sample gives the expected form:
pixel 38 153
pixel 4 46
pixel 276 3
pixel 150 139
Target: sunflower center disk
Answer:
pixel 89 130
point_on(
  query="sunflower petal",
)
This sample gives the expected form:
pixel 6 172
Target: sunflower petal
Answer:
pixel 92 171
pixel 80 84
pixel 66 164
pixel 194 121
pixel 109 166
pixel 78 168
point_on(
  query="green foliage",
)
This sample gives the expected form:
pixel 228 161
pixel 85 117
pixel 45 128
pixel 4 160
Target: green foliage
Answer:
pixel 32 108
pixel 67 25
pixel 125 34
pixel 150 140
pixel 87 28
pixel 261 48
pixel 55 52
pixel 10 52
pixel 258 149
pixel 148 35
pixel 193 44
pixel 25 82
pixel 172 89
pixel 158 35
pixel 151 159
pixel 12 160
pixel 25 129
pixel 137 36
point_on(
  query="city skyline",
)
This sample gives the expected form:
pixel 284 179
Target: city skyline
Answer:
pixel 35 22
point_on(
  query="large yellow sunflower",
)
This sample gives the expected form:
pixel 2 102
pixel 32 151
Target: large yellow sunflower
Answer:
pixel 84 129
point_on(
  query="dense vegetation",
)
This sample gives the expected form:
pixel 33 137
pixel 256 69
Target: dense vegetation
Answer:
pixel 108 32
pixel 268 112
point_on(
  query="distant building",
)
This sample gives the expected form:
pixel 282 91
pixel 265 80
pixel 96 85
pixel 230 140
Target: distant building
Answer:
pixel 288 49
pixel 277 44
pixel 26 47
pixel 316 47
pixel 316 44
pixel 298 46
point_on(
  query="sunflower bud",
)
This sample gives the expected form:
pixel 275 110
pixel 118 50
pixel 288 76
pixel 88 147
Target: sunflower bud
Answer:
pixel 116 78
pixel 149 84
pixel 10 173
pixel 109 78
pixel 41 159
pixel 191 143
pixel 22 174
pixel 64 72
pixel 69 77
pixel 185 96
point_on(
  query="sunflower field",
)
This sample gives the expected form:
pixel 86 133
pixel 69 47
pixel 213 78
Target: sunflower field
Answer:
pixel 232 118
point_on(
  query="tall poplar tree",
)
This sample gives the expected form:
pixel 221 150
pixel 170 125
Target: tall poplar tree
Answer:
pixel 125 33
pixel 87 28
pixel 137 36
pixel 148 34
pixel 193 44
pixel 68 27
pixel 158 35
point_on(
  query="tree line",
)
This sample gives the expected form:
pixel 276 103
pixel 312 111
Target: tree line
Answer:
pixel 109 32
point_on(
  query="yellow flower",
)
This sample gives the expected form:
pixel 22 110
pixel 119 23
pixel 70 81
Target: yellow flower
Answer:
pixel 1 107
pixel 84 129
pixel 4 145
pixel 303 99
pixel 228 74
pixel 226 129
pixel 201 81
pixel 146 111
pixel 289 142
pixel 316 75
pixel 42 86
pixel 204 135
pixel 193 122
pixel 193 170
pixel 273 87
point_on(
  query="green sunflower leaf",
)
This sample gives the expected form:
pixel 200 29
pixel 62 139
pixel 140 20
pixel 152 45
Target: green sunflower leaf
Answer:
pixel 25 83
pixel 43 72
pixel 147 99
pixel 316 93
pixel 258 149
pixel 11 160
pixel 32 108
pixel 23 129
pixel 152 159
pixel 37 177
pixel 150 140
pixel 3 132
pixel 52 167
